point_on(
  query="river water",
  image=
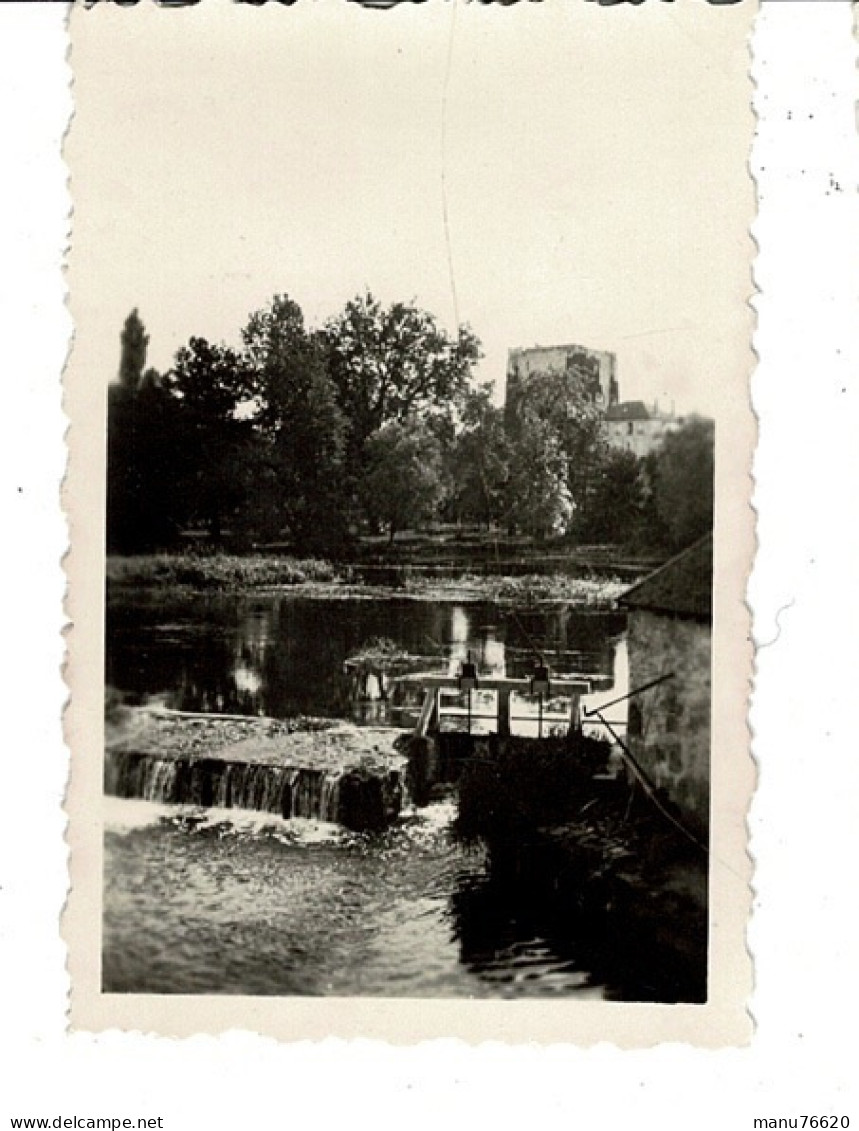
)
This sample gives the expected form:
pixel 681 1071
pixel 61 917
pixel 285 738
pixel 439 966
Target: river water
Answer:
pixel 254 906
pixel 283 656
pixel 230 902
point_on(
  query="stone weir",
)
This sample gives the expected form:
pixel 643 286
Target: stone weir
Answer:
pixel 314 768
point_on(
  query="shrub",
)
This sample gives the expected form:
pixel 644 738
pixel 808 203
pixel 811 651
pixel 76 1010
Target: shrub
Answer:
pixel 217 571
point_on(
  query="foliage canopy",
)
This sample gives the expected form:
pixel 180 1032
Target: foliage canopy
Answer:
pixel 308 437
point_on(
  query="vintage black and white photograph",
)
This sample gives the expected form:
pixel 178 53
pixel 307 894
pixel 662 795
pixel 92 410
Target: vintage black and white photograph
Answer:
pixel 415 345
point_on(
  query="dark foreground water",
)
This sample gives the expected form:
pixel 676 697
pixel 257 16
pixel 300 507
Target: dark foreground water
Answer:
pixel 298 908
pixel 239 903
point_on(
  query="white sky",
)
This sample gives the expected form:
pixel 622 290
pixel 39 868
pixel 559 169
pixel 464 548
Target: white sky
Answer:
pixel 594 167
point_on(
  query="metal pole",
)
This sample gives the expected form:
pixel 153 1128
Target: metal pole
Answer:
pixel 588 712
pixel 649 786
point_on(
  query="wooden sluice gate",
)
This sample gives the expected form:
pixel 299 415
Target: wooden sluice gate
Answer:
pixel 496 720
pixel 499 705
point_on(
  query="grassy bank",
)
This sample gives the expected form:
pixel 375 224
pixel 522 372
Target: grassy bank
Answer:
pixel 232 573
pixel 508 554
pixel 217 571
pixel 532 589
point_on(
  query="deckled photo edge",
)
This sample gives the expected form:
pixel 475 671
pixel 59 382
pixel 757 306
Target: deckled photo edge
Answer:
pixel 723 1020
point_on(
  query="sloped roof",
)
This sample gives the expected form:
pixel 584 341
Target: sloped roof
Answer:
pixel 628 410
pixel 683 586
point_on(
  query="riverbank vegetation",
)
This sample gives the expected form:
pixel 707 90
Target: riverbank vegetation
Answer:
pixel 217 571
pixel 373 423
pixel 233 573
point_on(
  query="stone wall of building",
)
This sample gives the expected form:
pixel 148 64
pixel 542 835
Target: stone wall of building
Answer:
pixel 669 727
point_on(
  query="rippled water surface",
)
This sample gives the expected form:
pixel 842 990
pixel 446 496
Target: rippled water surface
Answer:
pixel 224 903
pixel 251 904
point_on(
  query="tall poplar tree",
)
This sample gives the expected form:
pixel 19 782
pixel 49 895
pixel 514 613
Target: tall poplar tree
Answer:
pixel 134 342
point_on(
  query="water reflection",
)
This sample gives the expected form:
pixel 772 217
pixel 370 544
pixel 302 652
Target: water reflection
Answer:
pixel 513 942
pixel 283 656
pixel 406 912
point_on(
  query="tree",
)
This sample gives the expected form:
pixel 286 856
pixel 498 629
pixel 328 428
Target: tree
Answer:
pixel 214 389
pixel 391 365
pixel 478 461
pixel 141 512
pixel 681 481
pixel 613 512
pixel 538 497
pixel 402 485
pixel 301 423
pixel 570 432
pixel 566 401
pixel 134 342
pixel 142 438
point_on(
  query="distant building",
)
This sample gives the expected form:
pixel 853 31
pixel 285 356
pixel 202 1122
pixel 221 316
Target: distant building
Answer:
pixel 669 631
pixel 633 427
pixel 598 366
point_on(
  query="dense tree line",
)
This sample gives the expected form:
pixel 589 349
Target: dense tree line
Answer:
pixel 373 423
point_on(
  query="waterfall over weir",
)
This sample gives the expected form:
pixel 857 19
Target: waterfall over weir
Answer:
pixel 347 797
